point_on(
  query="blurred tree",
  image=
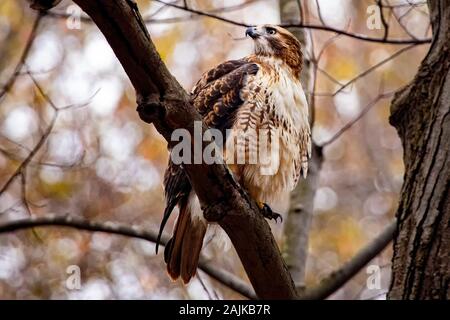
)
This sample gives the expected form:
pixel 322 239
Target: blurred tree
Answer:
pixel 301 203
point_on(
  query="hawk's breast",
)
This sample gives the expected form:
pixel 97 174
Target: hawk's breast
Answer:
pixel 273 101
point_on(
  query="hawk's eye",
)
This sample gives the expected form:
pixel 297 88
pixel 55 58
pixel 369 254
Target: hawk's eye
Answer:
pixel 271 30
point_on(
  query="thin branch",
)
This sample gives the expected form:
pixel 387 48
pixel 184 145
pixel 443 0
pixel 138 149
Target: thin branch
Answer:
pixel 23 184
pixel 300 10
pixel 44 136
pixel 319 13
pixel 155 13
pixel 301 24
pixel 227 279
pixel 203 13
pixel 79 223
pixel 357 35
pixel 13 156
pixel 358 117
pixel 202 283
pixel 383 20
pixel 315 63
pixel 150 19
pixel 8 85
pixel 338 278
pixel 31 155
pixel 329 77
pixel 372 68
pixel 304 25
pixel 409 4
pixel 400 22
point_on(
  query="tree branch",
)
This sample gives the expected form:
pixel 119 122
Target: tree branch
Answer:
pixel 302 24
pixel 373 68
pixel 349 124
pixel 7 86
pixel 222 276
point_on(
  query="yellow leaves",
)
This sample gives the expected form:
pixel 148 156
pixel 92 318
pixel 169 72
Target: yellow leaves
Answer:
pixel 39 101
pixel 350 238
pixel 166 43
pixel 342 235
pixel 12 10
pixel 153 149
pixel 60 190
pixel 143 5
pixel 384 110
pixel 342 68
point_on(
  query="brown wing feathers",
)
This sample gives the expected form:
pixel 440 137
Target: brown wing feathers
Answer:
pixel 217 98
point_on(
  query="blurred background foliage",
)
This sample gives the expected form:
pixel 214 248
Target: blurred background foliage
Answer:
pixel 102 163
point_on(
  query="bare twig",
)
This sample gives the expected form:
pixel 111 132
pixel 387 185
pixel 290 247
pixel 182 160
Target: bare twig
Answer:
pixel 301 24
pixel 408 4
pixel 150 19
pixel 400 22
pixel 301 11
pixel 79 223
pixel 23 183
pixel 20 169
pixel 31 155
pixel 202 13
pixel 358 117
pixel 319 13
pixel 383 19
pixel 203 284
pixel 7 86
pixel 374 67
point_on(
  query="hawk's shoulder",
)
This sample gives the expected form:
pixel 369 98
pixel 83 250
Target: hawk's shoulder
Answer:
pixel 217 96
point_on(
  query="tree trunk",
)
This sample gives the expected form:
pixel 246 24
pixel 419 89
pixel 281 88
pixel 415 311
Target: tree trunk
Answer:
pixel 420 113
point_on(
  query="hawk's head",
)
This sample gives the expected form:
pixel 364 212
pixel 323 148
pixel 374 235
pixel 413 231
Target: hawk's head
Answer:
pixel 271 40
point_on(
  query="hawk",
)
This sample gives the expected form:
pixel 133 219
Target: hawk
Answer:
pixel 260 91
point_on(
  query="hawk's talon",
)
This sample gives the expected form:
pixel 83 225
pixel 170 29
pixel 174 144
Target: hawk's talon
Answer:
pixel 269 214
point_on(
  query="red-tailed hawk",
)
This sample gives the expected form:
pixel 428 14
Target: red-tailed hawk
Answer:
pixel 260 91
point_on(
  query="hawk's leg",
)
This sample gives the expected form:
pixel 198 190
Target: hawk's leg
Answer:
pixel 268 213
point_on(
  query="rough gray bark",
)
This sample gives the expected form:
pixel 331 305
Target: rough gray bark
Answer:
pixel 301 204
pixel 163 102
pixel 420 113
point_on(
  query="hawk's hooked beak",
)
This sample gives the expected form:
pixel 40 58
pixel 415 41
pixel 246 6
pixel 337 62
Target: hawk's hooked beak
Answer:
pixel 252 32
